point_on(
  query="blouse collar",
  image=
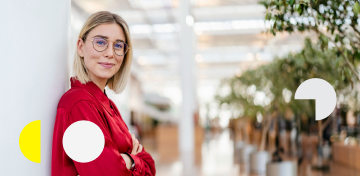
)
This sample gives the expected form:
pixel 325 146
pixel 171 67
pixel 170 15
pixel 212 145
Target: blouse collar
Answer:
pixel 94 90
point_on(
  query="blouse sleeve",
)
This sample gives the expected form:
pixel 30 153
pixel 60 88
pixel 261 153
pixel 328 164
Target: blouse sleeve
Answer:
pixel 110 162
pixel 144 163
pixel 61 164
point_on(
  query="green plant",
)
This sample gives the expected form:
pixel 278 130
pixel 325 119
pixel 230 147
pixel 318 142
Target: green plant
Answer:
pixel 278 81
pixel 335 21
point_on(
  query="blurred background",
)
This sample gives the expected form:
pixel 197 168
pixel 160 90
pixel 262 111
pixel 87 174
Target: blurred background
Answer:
pixel 212 84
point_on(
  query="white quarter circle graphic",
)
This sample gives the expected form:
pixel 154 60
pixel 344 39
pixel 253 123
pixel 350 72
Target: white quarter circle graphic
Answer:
pixel 83 141
pixel 323 93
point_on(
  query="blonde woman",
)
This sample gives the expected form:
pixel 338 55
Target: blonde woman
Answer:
pixel 103 58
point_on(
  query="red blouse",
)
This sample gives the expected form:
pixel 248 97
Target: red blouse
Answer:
pixel 88 102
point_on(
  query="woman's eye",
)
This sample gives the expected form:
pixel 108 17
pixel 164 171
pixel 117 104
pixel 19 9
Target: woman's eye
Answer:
pixel 119 46
pixel 101 42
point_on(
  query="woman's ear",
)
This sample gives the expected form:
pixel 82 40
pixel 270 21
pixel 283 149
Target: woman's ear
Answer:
pixel 80 47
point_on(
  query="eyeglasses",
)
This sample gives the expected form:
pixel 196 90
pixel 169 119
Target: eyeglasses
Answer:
pixel 101 44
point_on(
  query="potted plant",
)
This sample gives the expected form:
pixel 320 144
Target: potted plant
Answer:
pixel 278 82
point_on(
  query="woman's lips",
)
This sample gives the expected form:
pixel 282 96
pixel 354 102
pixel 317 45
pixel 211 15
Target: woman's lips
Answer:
pixel 106 65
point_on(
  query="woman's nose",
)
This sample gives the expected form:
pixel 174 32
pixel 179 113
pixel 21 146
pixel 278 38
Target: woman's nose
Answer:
pixel 109 52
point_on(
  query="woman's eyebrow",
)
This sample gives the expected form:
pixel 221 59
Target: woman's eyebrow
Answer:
pixel 105 37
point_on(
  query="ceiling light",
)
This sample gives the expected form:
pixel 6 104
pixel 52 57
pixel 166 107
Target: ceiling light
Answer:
pixel 199 58
pixel 238 72
pixel 164 28
pixel 140 29
pixel 258 56
pixel 142 60
pixel 198 32
pixel 189 20
pixel 250 56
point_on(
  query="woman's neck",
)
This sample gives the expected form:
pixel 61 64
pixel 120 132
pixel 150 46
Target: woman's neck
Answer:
pixel 101 83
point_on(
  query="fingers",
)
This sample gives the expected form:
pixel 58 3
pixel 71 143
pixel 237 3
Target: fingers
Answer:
pixel 135 146
pixel 133 143
pixel 127 160
pixel 133 138
pixel 139 149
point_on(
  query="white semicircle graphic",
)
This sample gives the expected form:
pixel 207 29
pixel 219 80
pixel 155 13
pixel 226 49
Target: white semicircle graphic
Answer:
pixel 323 93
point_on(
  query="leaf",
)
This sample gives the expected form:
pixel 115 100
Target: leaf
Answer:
pixel 356 8
pixel 272 31
pixel 268 16
pixel 292 2
pixel 332 30
pixel 274 27
pixel 337 62
pixel 289 29
pixel 300 9
pixel 320 17
pixel 337 38
pixel 345 53
pixel 357 55
pixel 301 28
pixel 265 3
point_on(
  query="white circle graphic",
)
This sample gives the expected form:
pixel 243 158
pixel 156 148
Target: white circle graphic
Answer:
pixel 83 141
pixel 323 93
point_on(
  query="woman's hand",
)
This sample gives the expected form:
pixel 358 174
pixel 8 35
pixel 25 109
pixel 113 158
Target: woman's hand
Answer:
pixel 127 160
pixel 137 147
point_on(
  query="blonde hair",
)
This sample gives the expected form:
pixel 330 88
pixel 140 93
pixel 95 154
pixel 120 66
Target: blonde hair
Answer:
pixel 118 82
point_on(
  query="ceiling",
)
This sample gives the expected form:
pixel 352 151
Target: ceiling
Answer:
pixel 228 40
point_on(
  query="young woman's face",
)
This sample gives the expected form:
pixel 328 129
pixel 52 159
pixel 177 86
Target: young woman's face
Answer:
pixel 105 64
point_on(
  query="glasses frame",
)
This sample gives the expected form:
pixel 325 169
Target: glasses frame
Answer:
pixel 92 41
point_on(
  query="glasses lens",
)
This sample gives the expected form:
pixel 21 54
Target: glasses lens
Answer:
pixel 120 48
pixel 100 44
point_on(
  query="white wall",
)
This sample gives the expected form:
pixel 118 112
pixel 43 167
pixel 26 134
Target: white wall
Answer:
pixel 34 74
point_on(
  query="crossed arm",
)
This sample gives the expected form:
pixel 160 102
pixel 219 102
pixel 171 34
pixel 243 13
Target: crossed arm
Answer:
pixel 111 162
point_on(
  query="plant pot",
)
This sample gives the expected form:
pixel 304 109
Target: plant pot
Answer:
pixel 239 144
pixel 285 168
pixel 245 153
pixel 258 161
pixel 326 151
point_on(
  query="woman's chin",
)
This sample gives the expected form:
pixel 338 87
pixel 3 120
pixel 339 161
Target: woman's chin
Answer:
pixel 104 76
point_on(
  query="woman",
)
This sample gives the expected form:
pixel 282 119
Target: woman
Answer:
pixel 103 57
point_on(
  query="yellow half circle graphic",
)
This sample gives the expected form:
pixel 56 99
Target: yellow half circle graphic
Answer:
pixel 30 141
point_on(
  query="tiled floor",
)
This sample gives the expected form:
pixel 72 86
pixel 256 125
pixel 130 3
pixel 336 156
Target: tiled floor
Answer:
pixel 218 156
pixel 218 160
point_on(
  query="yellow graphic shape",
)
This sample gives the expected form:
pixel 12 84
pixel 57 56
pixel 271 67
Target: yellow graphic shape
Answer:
pixel 29 141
